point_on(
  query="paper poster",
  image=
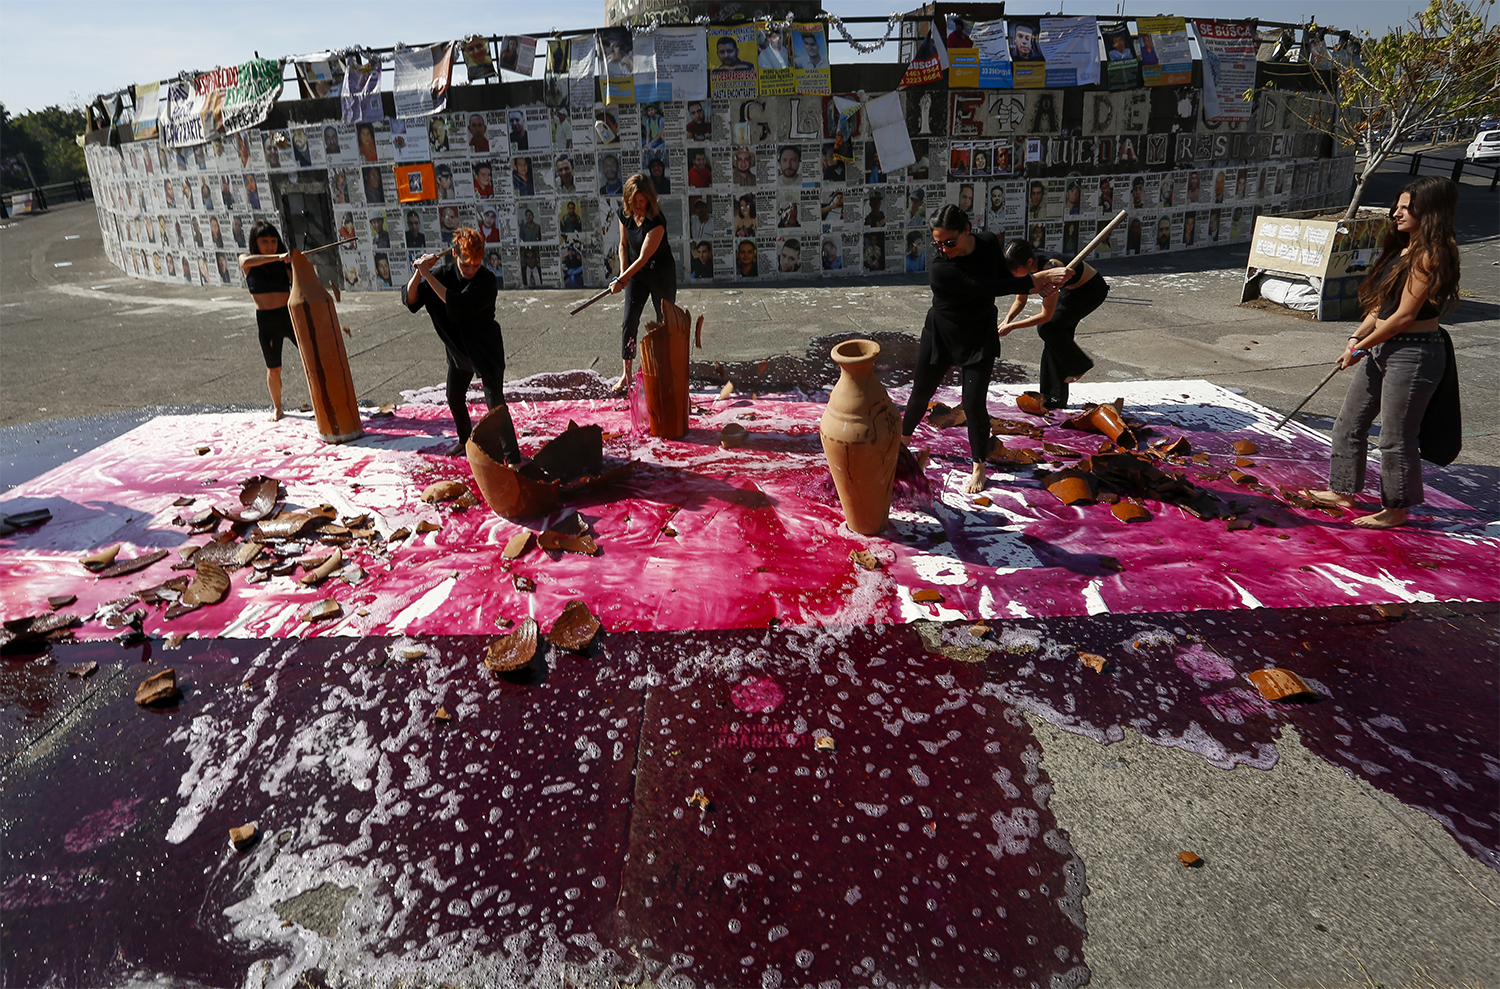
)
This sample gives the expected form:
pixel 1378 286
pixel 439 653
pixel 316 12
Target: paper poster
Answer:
pixel 423 76
pixel 556 73
pixel 517 54
pixel 477 61
pixel 992 52
pixel 774 58
pixel 887 121
pixel 963 55
pixel 1122 65
pixel 319 75
pixel 617 55
pixel 360 99
pixel 810 73
pixel 732 71
pixel 669 65
pixel 1028 64
pixel 147 96
pixel 220 101
pixel 1228 68
pixel 1166 57
pixel 929 52
pixel 1071 47
pixel 580 77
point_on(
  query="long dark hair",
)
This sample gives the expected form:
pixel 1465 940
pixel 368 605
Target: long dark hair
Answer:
pixel 1433 249
pixel 265 228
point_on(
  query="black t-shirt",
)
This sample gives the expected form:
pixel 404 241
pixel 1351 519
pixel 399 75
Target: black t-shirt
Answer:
pixel 273 276
pixel 635 238
pixel 960 327
pixel 466 322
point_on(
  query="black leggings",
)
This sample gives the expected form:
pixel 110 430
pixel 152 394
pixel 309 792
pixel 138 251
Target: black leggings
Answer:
pixel 460 374
pixel 658 285
pixel 976 385
pixel 275 325
pixel 1062 358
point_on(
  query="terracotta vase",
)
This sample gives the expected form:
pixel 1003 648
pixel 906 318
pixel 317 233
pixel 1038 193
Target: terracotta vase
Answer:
pixel 320 344
pixel 513 492
pixel 664 371
pixel 861 433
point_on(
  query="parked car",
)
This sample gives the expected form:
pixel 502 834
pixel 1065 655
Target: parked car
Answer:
pixel 1484 147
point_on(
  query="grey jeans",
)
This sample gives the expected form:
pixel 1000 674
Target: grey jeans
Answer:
pixel 1395 382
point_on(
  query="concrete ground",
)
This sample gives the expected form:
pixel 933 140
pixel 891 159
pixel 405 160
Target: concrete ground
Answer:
pixel 1309 865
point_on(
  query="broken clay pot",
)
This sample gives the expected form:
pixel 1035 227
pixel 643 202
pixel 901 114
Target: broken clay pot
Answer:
pixel 664 369
pixel 1277 684
pixel 160 688
pixel 861 434
pixel 1030 402
pixel 575 628
pixel 320 344
pixel 513 651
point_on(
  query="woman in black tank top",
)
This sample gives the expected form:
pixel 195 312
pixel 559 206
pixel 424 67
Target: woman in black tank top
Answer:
pixel 1409 356
pixel 268 276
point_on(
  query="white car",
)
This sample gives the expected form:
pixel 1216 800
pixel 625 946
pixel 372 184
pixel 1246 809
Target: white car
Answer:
pixel 1484 147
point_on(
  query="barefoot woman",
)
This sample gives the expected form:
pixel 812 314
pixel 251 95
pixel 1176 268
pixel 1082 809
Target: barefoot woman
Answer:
pixel 268 276
pixel 967 272
pixel 1412 282
pixel 649 267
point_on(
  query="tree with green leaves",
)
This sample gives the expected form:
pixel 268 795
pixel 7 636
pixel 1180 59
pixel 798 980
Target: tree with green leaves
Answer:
pixel 1444 64
pixel 48 141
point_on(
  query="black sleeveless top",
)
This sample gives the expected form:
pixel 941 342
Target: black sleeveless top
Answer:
pixel 635 239
pixel 1391 301
pixel 269 277
pixel 1043 258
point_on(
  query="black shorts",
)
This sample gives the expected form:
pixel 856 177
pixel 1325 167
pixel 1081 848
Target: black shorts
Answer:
pixel 275 325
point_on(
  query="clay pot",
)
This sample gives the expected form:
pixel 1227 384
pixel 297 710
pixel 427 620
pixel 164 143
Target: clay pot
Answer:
pixel 514 493
pixel 1030 402
pixel 664 369
pixel 321 347
pixel 861 434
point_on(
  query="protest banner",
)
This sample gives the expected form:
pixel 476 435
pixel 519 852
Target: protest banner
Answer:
pixel 925 52
pixel 1228 68
pixel 220 101
pixel 360 98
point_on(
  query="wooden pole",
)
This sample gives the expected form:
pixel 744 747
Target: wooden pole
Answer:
pixel 1099 238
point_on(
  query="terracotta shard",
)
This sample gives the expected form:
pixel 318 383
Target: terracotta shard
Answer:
pixel 727 390
pixel 202 450
pixel 517 545
pixel 943 417
pixel 246 553
pixel 564 542
pixel 83 670
pixel 159 688
pixel 132 566
pixel 576 452
pixel 926 594
pixel 1093 661
pixel 1104 419
pixel 1129 511
pixel 1243 462
pixel 442 491
pixel 208 587
pixel 258 496
pixel 699 800
pixel 824 744
pixel 1240 477
pixel 1072 487
pixel 323 609
pixel 1030 402
pixel 1390 612
pixel 426 526
pixel 184 501
pixel 1014 427
pixel 732 436
pixel 864 558
pixel 317 575
pixel 523 584
pixel 243 836
pixel 1238 524
pixel 442 716
pixel 513 651
pixel 103 558
pixel 1277 684
pixel 287 525
pixel 1111 563
pixel 1245 448
pixel 1180 447
pixel 983 501
pixel 575 628
pixel 1189 860
pixel 61 600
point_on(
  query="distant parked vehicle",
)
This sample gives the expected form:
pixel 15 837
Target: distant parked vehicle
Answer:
pixel 1485 147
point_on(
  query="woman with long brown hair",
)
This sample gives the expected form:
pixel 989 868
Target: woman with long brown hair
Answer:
pixel 1411 283
pixel 646 253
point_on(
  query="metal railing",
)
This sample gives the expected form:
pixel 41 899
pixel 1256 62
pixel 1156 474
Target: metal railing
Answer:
pixel 75 190
pixel 1456 171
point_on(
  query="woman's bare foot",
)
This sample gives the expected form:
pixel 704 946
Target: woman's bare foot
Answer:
pixel 976 480
pixel 1328 499
pixel 1386 518
pixel 277 414
pixel 458 449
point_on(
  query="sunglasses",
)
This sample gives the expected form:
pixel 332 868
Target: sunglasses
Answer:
pixel 950 242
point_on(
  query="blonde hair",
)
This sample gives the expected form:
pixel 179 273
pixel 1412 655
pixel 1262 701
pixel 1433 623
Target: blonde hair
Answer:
pixel 639 184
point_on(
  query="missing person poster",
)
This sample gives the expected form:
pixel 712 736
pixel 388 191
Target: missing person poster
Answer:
pixel 360 99
pixel 810 72
pixel 1228 68
pixel 477 61
pixel 731 67
pixel 422 79
pixel 669 65
pixel 963 56
pixel 992 45
pixel 517 54
pixel 775 59
pixel 1071 45
pixel 147 96
pixel 1166 58
pixel 1029 65
pixel 925 50
pixel 617 55
pixel 1122 65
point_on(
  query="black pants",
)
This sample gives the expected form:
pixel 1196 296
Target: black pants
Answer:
pixel 460 374
pixel 274 326
pixel 976 385
pixel 1061 357
pixel 658 285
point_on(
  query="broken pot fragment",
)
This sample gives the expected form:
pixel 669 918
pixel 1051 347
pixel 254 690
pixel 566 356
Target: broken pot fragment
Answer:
pixel 516 545
pixel 1245 448
pixel 258 497
pixel 314 577
pixel 323 609
pixel 513 651
pixel 209 586
pixel 575 628
pixel 1030 402
pixel 124 567
pixel 733 436
pixel 98 561
pixel 1129 511
pixel 442 491
pixel 158 688
pixel 1277 684
pixel 244 836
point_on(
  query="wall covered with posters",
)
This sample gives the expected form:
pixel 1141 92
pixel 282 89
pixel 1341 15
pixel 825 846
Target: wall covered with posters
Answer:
pixel 769 164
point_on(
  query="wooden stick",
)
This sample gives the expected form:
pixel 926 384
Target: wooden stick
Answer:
pixel 585 305
pixel 346 240
pixel 1099 238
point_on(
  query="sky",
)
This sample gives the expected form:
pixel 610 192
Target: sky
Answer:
pixel 65 52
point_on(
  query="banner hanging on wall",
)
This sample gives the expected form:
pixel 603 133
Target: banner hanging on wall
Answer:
pixel 1122 64
pixel 221 101
pixel 423 76
pixel 929 52
pixel 732 52
pixel 669 65
pixel 360 100
pixel 992 44
pixel 555 73
pixel 318 75
pixel 1228 68
pixel 477 62
pixel 810 72
pixel 1166 57
pixel 147 96
pixel 1071 46
pixel 617 56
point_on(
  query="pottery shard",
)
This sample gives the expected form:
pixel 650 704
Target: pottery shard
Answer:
pixel 567 543
pixel 942 417
pixel 825 744
pixel 516 545
pixel 1243 462
pixel 1014 427
pixel 1390 612
pixel 1240 477
pixel 926 594
pixel 426 526
pixel 1180 447
pixel 131 566
pixel 399 534
pixel 323 609
pixel 1094 661
pixel 442 715
pixel 61 601
pixel 699 800
pixel 243 836
pixel 209 585
pixel 523 584
pixel 257 500
pixel 1129 511
pixel 157 689
pixel 316 576
pixel 83 670
pixel 1030 402
pixel 1071 487
pixel 1245 448
pixel 513 651
pixel 983 501
pixel 732 436
pixel 286 525
pixel 1238 524
pixel 864 558
pixel 98 561
pixel 1276 684
pixel 442 491
pixel 1189 860
pixel 575 628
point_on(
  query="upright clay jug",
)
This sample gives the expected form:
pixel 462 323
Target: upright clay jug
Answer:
pixel 321 348
pixel 664 371
pixel 861 433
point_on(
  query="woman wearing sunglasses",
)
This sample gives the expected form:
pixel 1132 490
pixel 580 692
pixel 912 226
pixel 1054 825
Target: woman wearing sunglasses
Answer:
pixel 967 272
